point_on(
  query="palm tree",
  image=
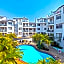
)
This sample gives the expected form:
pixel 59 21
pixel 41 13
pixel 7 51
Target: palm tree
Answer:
pixel 37 37
pixel 45 39
pixel 50 61
pixel 8 50
pixel 11 35
pixel 41 39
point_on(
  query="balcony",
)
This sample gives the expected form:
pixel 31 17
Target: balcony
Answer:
pixel 57 39
pixel 24 21
pixel 32 26
pixel 32 31
pixel 3 24
pixel 50 30
pixel 25 25
pixel 51 23
pixel 3 30
pixel 25 30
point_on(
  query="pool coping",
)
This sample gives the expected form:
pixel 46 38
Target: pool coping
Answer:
pixel 43 51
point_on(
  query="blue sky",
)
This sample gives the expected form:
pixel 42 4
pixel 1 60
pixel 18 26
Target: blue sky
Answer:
pixel 28 8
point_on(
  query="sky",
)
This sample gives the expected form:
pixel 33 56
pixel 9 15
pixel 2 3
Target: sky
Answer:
pixel 28 8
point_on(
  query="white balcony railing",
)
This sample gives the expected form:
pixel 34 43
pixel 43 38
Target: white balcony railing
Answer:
pixel 2 30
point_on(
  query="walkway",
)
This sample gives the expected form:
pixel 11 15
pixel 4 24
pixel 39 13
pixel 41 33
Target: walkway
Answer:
pixel 54 52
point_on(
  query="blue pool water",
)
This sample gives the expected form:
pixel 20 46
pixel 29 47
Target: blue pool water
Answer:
pixel 31 55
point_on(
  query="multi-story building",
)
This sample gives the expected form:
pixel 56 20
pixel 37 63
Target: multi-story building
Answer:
pixel 59 25
pixel 6 26
pixel 22 27
pixel 41 25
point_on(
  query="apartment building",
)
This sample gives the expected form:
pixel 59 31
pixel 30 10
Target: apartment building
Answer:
pixel 41 25
pixel 22 27
pixel 59 25
pixel 6 26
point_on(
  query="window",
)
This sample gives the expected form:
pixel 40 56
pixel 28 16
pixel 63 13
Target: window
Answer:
pixel 45 20
pixel 59 35
pixel 38 32
pixel 45 24
pixel 58 17
pixel 63 9
pixel 38 24
pixel 20 33
pixel 10 23
pixel 44 28
pixel 58 26
pixel 9 32
pixel 10 28
pixel 20 23
pixel 51 27
pixel 20 28
pixel 38 28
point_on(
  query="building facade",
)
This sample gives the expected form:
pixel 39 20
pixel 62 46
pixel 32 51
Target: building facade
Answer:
pixel 22 27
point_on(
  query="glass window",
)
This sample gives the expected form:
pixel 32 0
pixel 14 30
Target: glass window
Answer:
pixel 59 35
pixel 38 24
pixel 63 9
pixel 20 33
pixel 10 23
pixel 44 28
pixel 38 28
pixel 58 17
pixel 51 27
pixel 38 32
pixel 20 28
pixel 10 28
pixel 58 26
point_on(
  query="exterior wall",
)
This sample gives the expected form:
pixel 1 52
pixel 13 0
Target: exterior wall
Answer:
pixel 43 26
pixel 27 28
pixel 59 30
pixel 10 27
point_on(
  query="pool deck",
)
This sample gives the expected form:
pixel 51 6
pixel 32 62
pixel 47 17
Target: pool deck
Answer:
pixel 55 54
pixel 51 51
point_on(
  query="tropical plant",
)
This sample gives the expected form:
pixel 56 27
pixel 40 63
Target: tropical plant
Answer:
pixel 41 61
pixel 37 37
pixel 8 50
pixel 45 39
pixel 41 38
pixel 11 35
pixel 50 61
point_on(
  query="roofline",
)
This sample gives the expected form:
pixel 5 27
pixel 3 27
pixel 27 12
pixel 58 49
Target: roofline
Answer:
pixel 59 8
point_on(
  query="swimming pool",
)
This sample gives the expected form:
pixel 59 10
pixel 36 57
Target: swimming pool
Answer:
pixel 31 55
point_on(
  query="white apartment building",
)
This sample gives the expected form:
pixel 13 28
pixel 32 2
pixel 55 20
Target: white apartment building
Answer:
pixel 6 26
pixel 22 27
pixel 59 25
pixel 41 25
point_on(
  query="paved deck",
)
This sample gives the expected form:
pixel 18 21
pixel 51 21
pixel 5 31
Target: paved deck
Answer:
pixel 55 53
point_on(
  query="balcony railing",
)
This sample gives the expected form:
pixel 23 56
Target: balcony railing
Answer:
pixel 50 22
pixel 50 30
pixel 32 31
pixel 24 21
pixel 3 24
pixel 2 30
pixel 25 26
pixel 32 26
pixel 58 39
pixel 25 31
